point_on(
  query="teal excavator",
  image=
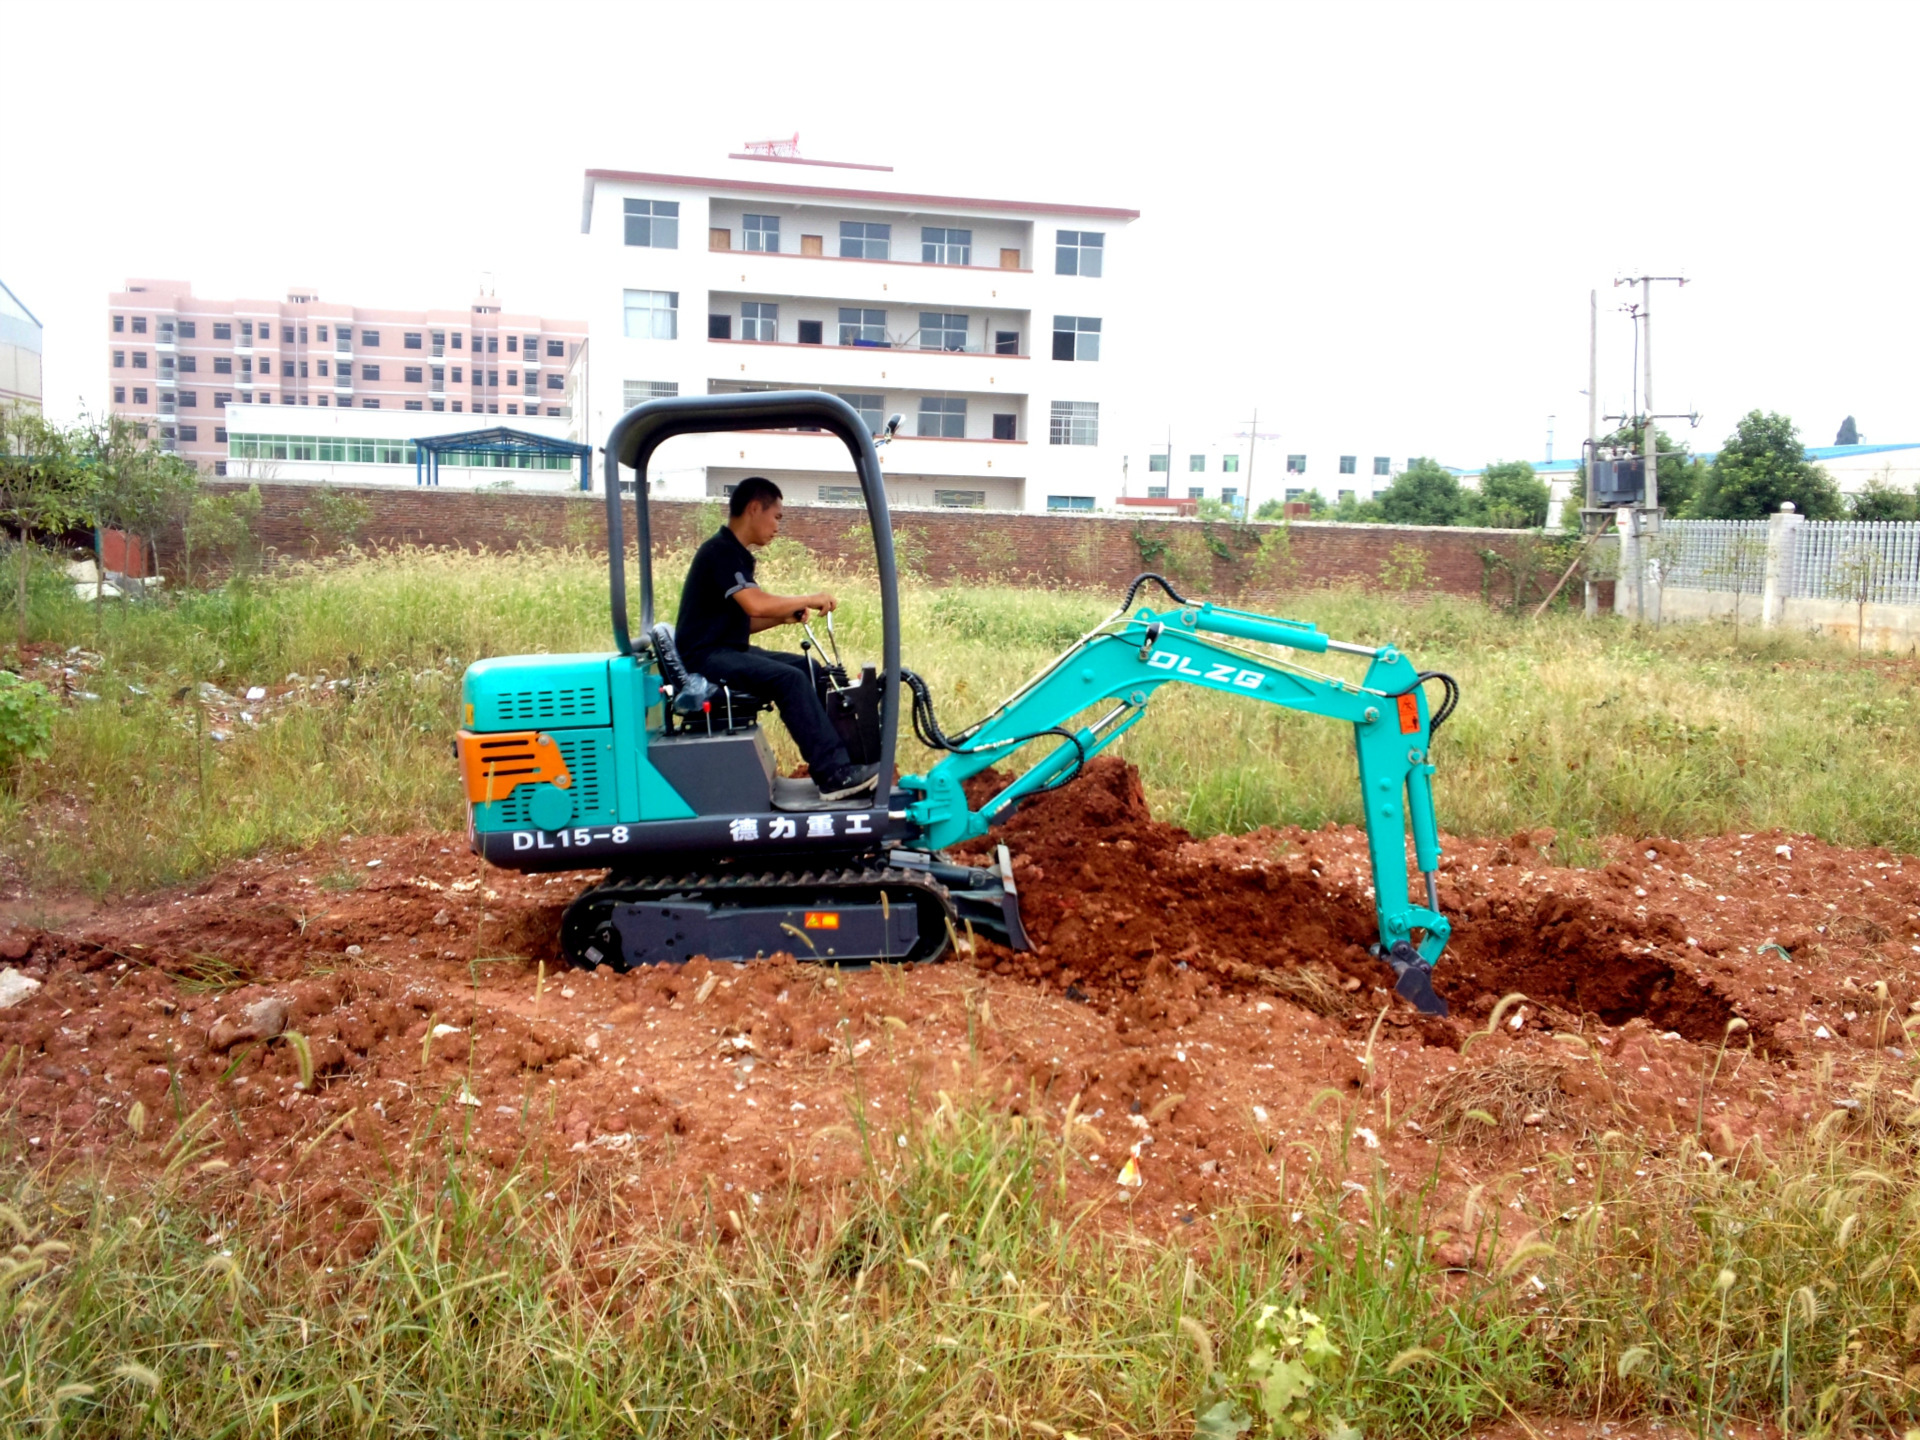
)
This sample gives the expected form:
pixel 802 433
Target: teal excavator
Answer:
pixel 627 762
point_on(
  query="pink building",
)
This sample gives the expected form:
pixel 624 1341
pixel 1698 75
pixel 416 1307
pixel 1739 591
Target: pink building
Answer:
pixel 177 361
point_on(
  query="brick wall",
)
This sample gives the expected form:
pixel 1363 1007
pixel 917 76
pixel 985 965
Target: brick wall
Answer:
pixel 1102 551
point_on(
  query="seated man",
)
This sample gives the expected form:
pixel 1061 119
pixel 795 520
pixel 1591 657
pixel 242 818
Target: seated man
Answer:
pixel 720 606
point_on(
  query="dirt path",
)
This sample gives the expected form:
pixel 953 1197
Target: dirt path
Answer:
pixel 1205 1006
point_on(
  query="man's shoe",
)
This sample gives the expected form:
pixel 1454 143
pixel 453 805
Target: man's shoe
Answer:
pixel 846 783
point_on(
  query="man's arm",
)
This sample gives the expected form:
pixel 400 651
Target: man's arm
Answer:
pixel 767 611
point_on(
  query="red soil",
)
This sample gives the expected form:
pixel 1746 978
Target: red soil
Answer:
pixel 1195 998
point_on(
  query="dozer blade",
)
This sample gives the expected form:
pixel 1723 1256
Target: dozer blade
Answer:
pixel 1414 980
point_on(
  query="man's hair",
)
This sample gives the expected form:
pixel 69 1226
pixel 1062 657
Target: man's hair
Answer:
pixel 754 490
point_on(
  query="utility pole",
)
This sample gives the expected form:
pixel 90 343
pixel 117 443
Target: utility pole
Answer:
pixel 1589 521
pixel 1253 439
pixel 1645 518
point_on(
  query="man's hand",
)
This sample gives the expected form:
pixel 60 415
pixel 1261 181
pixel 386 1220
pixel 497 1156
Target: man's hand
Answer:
pixel 822 601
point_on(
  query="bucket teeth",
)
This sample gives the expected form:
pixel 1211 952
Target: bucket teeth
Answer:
pixel 1414 979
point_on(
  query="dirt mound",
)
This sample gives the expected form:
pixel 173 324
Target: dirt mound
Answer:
pixel 1194 1001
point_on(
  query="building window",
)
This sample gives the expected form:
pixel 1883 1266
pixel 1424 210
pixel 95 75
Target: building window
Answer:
pixel 960 499
pixel 1228 494
pixel 415 405
pixel 139 359
pixel 1004 427
pixel 457 374
pixel 1157 464
pixel 1156 492
pixel 638 392
pixel 219 467
pixel 1296 492
pixel 369 403
pixel 939 331
pixel 841 495
pixel 513 344
pixel 223 330
pixel 863 327
pixel 457 339
pixel 513 378
pixel 119 324
pixel 762 232
pixel 219 434
pixel 1347 462
pixel 652 315
pixel 553 410
pixel 493 377
pixel 1346 497
pixel 369 372
pixel 190 432
pixel 189 399
pixel 1076 337
pixel 1069 502
pixel 119 359
pixel 865 240
pixel 556 381
pixel 945 247
pixel 759 320
pixel 493 344
pixel 437 405
pixel 1006 342
pixel 943 417
pixel 719 327
pixel 1196 462
pixel 1074 422
pixel 1196 492
pixel 811 332
pixel 872 408
pixel 286 369
pixel 1296 464
pixel 189 329
pixel 1230 464
pixel 223 364
pixel 412 340
pixel 139 394
pixel 414 374
pixel 456 407
pixel 1079 252
pixel 653 222
pixel 1382 465
pixel 370 339
pixel 557 349
pixel 139 324
pixel 119 394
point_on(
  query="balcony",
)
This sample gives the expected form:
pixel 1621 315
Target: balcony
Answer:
pixel 871 367
pixel 827 277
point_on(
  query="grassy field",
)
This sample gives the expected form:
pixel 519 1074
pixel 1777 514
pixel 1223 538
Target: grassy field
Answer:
pixel 950 1292
pixel 1589 729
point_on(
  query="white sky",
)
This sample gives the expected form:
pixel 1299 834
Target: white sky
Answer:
pixel 1377 223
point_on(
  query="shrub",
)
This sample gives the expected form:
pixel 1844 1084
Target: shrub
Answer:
pixel 26 721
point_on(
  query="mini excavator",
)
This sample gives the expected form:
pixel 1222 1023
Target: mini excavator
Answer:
pixel 629 763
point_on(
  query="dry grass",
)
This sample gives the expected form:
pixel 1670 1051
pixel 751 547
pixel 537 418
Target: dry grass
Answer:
pixel 1494 1101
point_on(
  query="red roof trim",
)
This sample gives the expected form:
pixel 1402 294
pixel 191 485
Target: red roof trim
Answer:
pixel 796 160
pixel 641 177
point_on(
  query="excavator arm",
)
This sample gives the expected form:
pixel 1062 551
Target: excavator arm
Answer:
pixel 1092 694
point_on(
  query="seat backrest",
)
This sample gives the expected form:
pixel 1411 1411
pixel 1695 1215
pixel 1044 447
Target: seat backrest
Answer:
pixel 690 692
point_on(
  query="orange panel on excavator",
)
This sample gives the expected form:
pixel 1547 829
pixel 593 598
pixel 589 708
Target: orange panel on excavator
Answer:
pixel 492 764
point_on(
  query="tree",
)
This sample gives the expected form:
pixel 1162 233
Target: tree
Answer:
pixel 1849 433
pixel 1511 497
pixel 1763 465
pixel 1884 500
pixel 1678 473
pixel 44 487
pixel 1316 503
pixel 1354 511
pixel 1425 493
pixel 138 488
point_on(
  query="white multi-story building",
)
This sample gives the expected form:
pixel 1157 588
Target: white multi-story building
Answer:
pixel 1272 465
pixel 343 446
pixel 996 328
pixel 20 348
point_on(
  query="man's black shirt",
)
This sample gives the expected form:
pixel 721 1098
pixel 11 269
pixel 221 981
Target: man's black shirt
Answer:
pixel 709 617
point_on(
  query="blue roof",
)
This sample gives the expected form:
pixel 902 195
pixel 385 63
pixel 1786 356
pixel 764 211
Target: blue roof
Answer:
pixel 1836 452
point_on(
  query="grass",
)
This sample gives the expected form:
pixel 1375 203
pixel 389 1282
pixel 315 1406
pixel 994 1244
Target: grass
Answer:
pixel 951 1290
pixel 1589 729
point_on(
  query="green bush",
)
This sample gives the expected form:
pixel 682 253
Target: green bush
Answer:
pixel 26 721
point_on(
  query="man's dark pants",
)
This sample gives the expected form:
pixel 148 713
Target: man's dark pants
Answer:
pixel 783 679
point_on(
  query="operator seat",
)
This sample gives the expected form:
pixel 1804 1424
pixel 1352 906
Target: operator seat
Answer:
pixel 696 701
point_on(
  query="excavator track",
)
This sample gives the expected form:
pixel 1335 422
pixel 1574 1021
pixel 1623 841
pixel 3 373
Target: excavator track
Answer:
pixel 846 918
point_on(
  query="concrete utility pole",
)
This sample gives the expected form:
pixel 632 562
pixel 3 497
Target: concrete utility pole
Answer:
pixel 1644 519
pixel 1253 439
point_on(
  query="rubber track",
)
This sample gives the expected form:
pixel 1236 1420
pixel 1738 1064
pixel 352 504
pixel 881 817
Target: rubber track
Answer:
pixel 802 889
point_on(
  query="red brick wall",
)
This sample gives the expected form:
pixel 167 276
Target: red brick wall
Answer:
pixel 1101 551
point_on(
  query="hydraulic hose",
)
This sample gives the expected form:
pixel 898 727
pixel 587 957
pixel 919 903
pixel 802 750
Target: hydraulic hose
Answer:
pixel 926 727
pixel 1158 579
pixel 1450 697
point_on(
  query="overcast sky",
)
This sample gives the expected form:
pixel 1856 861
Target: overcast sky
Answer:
pixel 1376 223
